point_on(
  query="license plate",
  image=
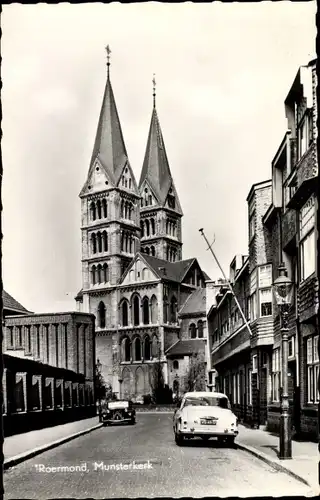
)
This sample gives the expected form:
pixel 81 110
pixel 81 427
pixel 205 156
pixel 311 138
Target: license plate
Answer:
pixel 203 421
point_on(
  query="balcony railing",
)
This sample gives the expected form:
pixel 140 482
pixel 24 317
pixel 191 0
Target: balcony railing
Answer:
pixel 289 227
pixel 305 177
pixel 308 298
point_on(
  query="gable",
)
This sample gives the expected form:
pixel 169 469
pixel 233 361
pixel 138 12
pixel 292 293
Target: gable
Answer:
pixel 172 200
pixel 127 180
pixel 194 275
pixel 138 272
pixel 148 197
pixel 97 180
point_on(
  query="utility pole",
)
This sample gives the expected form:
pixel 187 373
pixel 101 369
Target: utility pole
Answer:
pixel 227 281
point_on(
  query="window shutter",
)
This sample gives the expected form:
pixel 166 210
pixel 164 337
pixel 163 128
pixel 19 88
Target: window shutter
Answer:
pixel 315 349
pixel 309 350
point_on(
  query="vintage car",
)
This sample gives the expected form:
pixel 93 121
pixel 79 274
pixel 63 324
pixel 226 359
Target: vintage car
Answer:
pixel 205 415
pixel 116 412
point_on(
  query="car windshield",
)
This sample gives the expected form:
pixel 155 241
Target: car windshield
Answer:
pixel 221 401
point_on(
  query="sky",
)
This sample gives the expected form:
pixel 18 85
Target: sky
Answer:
pixel 222 71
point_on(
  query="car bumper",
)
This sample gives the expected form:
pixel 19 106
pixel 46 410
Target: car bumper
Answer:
pixel 208 432
pixel 116 421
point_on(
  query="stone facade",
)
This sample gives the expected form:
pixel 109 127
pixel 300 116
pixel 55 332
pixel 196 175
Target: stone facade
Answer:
pixel 62 340
pixel 48 376
pixel 134 280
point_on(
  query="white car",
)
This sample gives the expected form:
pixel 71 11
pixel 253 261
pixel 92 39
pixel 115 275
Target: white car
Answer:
pixel 205 415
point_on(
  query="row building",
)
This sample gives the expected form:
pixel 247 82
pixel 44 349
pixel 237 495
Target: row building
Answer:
pixel 282 227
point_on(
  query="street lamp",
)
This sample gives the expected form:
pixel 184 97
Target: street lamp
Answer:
pixel 283 292
pixel 98 381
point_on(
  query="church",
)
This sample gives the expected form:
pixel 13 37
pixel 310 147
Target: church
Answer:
pixel 134 278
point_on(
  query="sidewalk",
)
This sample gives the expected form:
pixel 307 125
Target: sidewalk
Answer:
pixel 305 455
pixel 20 444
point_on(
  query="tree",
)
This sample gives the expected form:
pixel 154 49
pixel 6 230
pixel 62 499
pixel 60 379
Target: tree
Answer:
pixel 103 390
pixel 157 381
pixel 196 373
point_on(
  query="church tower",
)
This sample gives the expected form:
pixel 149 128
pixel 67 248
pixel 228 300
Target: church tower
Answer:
pixel 160 213
pixel 109 207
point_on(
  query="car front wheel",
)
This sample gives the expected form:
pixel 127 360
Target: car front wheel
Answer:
pixel 230 441
pixel 179 439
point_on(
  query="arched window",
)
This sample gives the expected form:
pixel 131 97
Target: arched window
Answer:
pixel 147 250
pixel 200 329
pixel 165 309
pixel 93 275
pixel 142 228
pixel 93 243
pixel 125 349
pixel 99 240
pixel 122 209
pixel 173 310
pixel 175 365
pixel 147 348
pixel 152 251
pixel 124 313
pixel 154 310
pixel 136 310
pixel 105 241
pixel 93 210
pixel 129 183
pixel 104 208
pixel 99 268
pixel 99 209
pixel 153 229
pixel 102 315
pixel 155 347
pixel 192 331
pixel 150 199
pixel 105 273
pixel 147 228
pixel 145 311
pixel 137 349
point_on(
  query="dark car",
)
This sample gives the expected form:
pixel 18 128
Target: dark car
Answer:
pixel 116 412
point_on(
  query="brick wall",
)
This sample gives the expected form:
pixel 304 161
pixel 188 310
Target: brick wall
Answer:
pixel 63 333
pixel 260 246
pixel 178 373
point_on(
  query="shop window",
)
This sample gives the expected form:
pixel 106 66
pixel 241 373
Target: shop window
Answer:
pixel 276 375
pixel 313 369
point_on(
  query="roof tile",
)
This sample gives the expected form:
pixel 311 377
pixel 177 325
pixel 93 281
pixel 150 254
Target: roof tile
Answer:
pixel 12 304
pixel 186 347
pixel 195 303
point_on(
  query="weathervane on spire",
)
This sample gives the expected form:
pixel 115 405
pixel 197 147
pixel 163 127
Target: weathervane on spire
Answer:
pixel 154 90
pixel 108 51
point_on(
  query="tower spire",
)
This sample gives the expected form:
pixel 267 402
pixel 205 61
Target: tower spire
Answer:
pixel 154 90
pixel 108 51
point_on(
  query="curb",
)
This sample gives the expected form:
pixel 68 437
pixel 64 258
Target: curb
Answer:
pixel 155 412
pixel 11 462
pixel 272 462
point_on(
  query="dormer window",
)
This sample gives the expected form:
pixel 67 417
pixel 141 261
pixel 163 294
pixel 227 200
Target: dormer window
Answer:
pixel 171 199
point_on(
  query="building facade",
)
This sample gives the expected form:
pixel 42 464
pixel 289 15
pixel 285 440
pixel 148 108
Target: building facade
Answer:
pixel 282 229
pixel 49 363
pixel 134 279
